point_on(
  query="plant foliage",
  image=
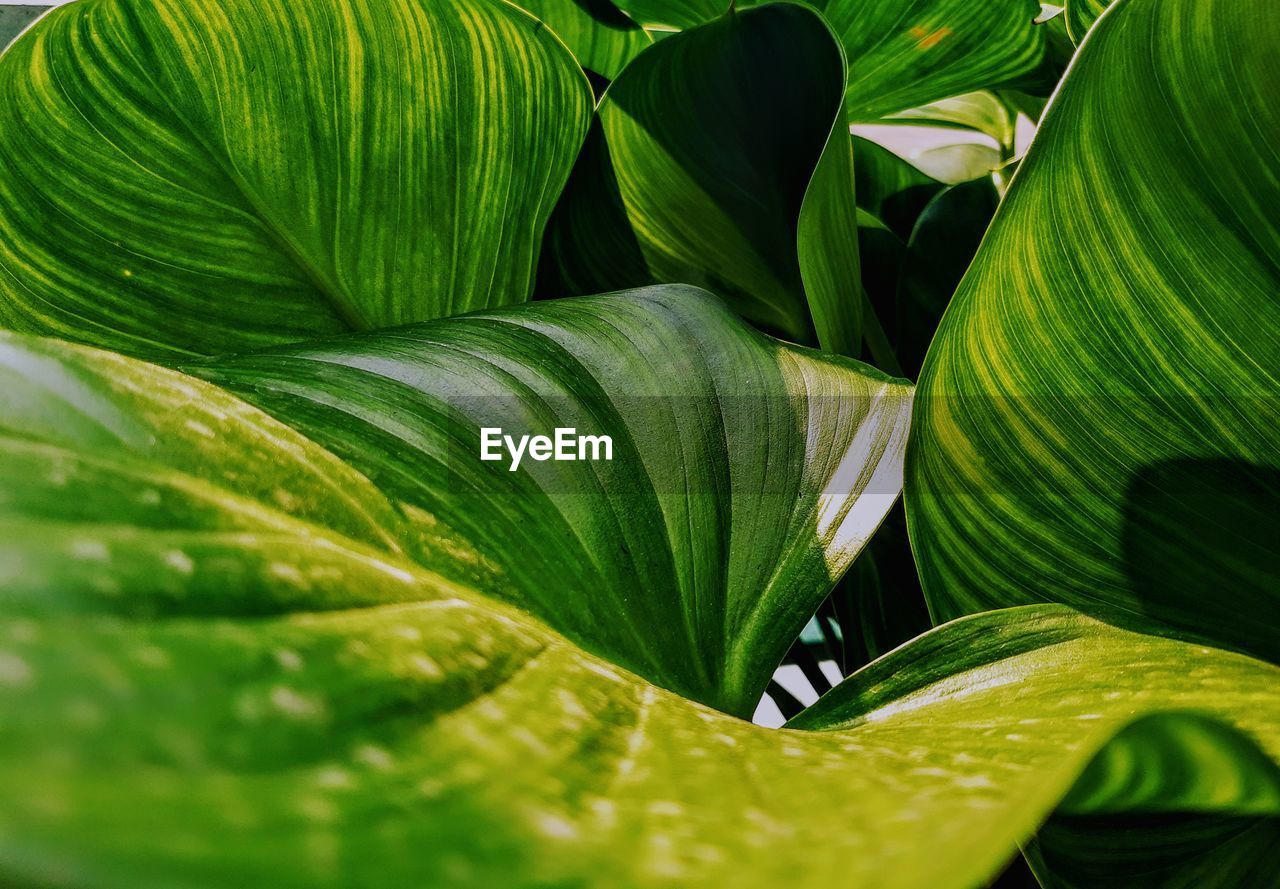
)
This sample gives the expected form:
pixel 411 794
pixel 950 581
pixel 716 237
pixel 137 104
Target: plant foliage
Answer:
pixel 268 618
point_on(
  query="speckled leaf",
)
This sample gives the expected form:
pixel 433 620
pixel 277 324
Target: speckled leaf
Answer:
pixel 186 178
pixel 452 742
pixel 225 661
pixel 720 158
pixel 1098 412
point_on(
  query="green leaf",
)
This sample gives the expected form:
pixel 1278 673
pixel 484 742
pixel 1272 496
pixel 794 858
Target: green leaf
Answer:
pixel 451 741
pixel 600 35
pixel 1098 412
pixel 942 244
pixel 889 188
pixel 1080 16
pixel 981 111
pixel 902 54
pixel 197 178
pixel 720 159
pixel 745 475
pixel 1139 851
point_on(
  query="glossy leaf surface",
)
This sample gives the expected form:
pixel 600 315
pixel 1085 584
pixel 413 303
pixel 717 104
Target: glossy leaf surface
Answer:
pixel 198 178
pixel 1098 410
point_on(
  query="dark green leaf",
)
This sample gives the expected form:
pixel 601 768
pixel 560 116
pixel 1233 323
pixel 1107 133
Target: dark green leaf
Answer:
pixel 720 158
pixel 942 244
pixel 600 35
pixel 1080 16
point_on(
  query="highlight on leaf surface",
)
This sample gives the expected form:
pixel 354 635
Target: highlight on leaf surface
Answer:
pixel 186 179
pixel 1098 410
pixel 746 474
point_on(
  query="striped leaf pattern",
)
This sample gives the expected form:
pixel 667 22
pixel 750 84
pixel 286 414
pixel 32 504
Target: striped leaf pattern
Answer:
pixel 1098 412
pixel 1080 16
pixel 745 475
pixel 906 54
pixel 186 179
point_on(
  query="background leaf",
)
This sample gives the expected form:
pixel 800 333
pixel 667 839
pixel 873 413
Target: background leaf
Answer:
pixel 903 55
pixel 190 179
pixel 1098 411
pixel 1080 16
pixel 599 34
pixel 720 159
pixel 14 19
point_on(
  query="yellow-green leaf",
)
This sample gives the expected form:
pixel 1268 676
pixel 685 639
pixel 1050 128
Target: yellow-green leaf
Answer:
pixel 1098 412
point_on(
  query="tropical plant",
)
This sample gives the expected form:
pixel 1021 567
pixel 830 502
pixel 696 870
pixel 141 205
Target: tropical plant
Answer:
pixel 272 270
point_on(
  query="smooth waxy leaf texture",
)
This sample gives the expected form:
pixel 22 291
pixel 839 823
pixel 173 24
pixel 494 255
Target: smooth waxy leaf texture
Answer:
pixel 224 661
pixel 190 178
pixel 982 111
pixel 1099 408
pixel 450 741
pixel 902 55
pixel 720 158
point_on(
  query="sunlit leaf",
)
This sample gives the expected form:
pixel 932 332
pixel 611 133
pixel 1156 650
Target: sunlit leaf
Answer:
pixel 188 178
pixel 1098 412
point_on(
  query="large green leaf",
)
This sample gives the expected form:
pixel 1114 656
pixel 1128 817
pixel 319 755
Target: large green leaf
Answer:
pixel 223 662
pixel 187 178
pixel 745 477
pixel 1098 411
pixel 720 158
pixel 600 35
pixel 160 729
